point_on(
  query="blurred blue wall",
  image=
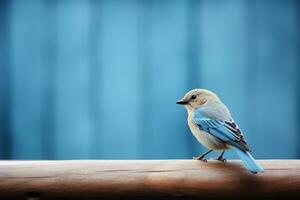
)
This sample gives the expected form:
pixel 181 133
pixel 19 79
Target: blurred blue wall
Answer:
pixel 99 79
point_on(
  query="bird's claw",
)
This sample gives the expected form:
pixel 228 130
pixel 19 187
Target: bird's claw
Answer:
pixel 222 159
pixel 200 158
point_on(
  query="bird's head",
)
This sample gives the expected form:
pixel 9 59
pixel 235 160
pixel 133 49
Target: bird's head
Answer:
pixel 197 98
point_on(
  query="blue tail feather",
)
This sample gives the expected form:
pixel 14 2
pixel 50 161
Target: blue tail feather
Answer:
pixel 249 161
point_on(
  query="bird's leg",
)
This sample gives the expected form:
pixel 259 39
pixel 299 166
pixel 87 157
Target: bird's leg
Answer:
pixel 220 158
pixel 202 156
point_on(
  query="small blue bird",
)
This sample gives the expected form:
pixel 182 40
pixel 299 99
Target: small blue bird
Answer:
pixel 212 124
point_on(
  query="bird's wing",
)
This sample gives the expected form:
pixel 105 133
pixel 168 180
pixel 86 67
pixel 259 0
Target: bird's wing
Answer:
pixel 226 131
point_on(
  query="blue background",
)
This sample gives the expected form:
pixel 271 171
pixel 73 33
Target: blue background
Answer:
pixel 99 79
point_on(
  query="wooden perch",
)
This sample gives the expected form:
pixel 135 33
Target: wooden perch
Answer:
pixel 151 179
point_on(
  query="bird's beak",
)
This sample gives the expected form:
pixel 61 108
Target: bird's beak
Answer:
pixel 182 102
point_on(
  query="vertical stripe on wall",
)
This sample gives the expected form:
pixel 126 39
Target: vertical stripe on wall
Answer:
pixel 119 79
pixel 73 128
pixel 166 52
pixel 96 95
pixel 49 75
pixel 27 57
pixel 5 83
pixel 297 6
pixel 145 79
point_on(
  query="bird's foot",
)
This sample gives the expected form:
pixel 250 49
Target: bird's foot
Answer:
pixel 200 158
pixel 221 159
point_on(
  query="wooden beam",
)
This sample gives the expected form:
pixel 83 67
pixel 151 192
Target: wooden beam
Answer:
pixel 147 179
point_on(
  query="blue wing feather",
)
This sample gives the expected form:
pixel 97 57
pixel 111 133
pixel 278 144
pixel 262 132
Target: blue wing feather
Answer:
pixel 216 128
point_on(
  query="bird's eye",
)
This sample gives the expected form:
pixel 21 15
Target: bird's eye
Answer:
pixel 193 97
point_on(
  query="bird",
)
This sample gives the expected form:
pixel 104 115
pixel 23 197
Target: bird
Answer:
pixel 211 122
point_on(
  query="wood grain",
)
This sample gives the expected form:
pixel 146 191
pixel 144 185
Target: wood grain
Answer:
pixel 147 179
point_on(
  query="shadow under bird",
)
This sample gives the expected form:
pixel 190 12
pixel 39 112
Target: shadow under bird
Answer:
pixel 211 123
